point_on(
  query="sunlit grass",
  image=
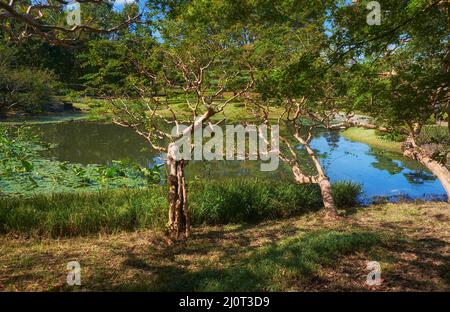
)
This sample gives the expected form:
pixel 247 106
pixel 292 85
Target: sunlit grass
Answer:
pixel 370 137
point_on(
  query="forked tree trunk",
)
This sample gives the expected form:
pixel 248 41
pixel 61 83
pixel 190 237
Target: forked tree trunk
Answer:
pixel 179 219
pixel 411 150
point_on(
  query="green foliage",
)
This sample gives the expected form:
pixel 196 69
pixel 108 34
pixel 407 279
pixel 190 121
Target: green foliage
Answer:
pixel 26 89
pixel 346 194
pixel 24 172
pixel 250 200
pixel 17 149
pixel 106 211
pixel 434 134
pixel 82 213
pixel 111 67
pixel 400 73
pixel 393 136
pixel 438 136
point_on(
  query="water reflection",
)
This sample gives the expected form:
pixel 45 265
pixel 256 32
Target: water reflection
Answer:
pixel 381 173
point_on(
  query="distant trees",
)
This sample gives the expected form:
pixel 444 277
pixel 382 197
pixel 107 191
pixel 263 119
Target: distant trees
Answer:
pixel 37 44
pixel 23 89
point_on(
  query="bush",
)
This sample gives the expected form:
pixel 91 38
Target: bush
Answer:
pixel 434 134
pixel 393 136
pixel 346 194
pixel 27 89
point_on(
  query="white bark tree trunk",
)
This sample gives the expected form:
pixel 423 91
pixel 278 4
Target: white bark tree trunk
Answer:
pixel 411 150
pixel 321 179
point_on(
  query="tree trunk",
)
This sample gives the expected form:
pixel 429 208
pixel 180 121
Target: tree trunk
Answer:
pixel 411 150
pixel 327 196
pixel 179 219
pixel 321 179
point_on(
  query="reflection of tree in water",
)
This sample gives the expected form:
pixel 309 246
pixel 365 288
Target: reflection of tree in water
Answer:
pixel 94 143
pixel 419 177
pixel 332 138
pixel 385 163
pixel 415 175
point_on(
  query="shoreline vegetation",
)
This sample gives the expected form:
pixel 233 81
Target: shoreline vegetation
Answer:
pixel 110 211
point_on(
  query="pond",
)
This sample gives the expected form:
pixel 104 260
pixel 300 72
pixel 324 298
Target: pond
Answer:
pixel 382 174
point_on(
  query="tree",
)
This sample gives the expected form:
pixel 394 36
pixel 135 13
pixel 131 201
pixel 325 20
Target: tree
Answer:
pixel 23 89
pixel 295 73
pixel 191 69
pixel 404 68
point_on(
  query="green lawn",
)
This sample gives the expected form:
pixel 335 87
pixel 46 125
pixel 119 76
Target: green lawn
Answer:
pixel 370 137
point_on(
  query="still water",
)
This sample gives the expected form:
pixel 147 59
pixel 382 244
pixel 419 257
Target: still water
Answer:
pixel 380 173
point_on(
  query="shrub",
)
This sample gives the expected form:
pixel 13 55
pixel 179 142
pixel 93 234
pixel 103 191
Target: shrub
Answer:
pixel 393 136
pixel 434 134
pixel 26 89
pixel 346 194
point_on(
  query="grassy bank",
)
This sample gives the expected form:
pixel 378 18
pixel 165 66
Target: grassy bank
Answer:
pixel 370 137
pixel 304 253
pixel 100 109
pixel 109 211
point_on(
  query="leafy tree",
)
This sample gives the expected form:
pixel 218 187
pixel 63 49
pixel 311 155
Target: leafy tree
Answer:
pixel 404 70
pixel 195 62
pixel 295 72
pixel 26 89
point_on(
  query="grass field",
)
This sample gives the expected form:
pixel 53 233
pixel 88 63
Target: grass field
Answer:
pixel 306 253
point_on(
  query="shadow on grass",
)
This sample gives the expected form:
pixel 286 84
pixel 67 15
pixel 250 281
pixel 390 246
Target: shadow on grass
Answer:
pixel 261 258
pixel 277 267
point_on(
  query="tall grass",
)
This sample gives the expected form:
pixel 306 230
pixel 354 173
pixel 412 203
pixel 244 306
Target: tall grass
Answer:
pixel 346 194
pixel 83 213
pixel 249 201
